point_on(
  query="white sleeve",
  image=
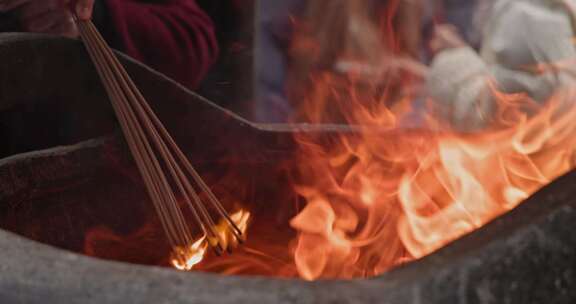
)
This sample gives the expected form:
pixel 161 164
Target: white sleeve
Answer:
pixel 455 82
pixel 526 36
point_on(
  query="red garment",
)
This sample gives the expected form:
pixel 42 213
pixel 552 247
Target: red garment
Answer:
pixel 174 37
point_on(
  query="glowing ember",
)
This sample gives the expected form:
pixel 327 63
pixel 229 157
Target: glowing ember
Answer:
pixel 187 258
pixel 192 255
pixel 241 219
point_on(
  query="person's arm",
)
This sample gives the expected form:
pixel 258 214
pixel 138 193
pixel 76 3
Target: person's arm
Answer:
pixel 527 36
pixel 173 36
pixel 458 82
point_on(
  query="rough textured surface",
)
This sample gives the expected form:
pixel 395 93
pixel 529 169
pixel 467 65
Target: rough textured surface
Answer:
pixel 526 256
pixel 22 174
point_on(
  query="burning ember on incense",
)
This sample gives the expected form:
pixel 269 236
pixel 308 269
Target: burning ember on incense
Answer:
pixel 195 253
pixel 192 255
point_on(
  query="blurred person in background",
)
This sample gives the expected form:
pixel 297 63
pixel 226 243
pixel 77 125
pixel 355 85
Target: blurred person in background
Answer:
pixel 300 39
pixel 527 47
pixel 274 32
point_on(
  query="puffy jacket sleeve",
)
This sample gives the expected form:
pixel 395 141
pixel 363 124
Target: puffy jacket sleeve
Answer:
pixel 530 50
pixel 174 37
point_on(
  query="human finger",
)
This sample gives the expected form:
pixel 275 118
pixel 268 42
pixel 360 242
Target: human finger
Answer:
pixel 84 9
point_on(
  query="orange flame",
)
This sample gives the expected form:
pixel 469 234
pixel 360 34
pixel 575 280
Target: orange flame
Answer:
pixel 379 198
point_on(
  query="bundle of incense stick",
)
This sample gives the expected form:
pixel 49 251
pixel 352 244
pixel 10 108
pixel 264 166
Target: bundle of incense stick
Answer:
pixel 155 152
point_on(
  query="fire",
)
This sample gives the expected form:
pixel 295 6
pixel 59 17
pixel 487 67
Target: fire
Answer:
pixel 380 197
pixel 187 258
pixel 227 240
pixel 376 195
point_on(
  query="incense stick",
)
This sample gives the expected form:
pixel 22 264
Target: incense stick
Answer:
pixel 156 152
